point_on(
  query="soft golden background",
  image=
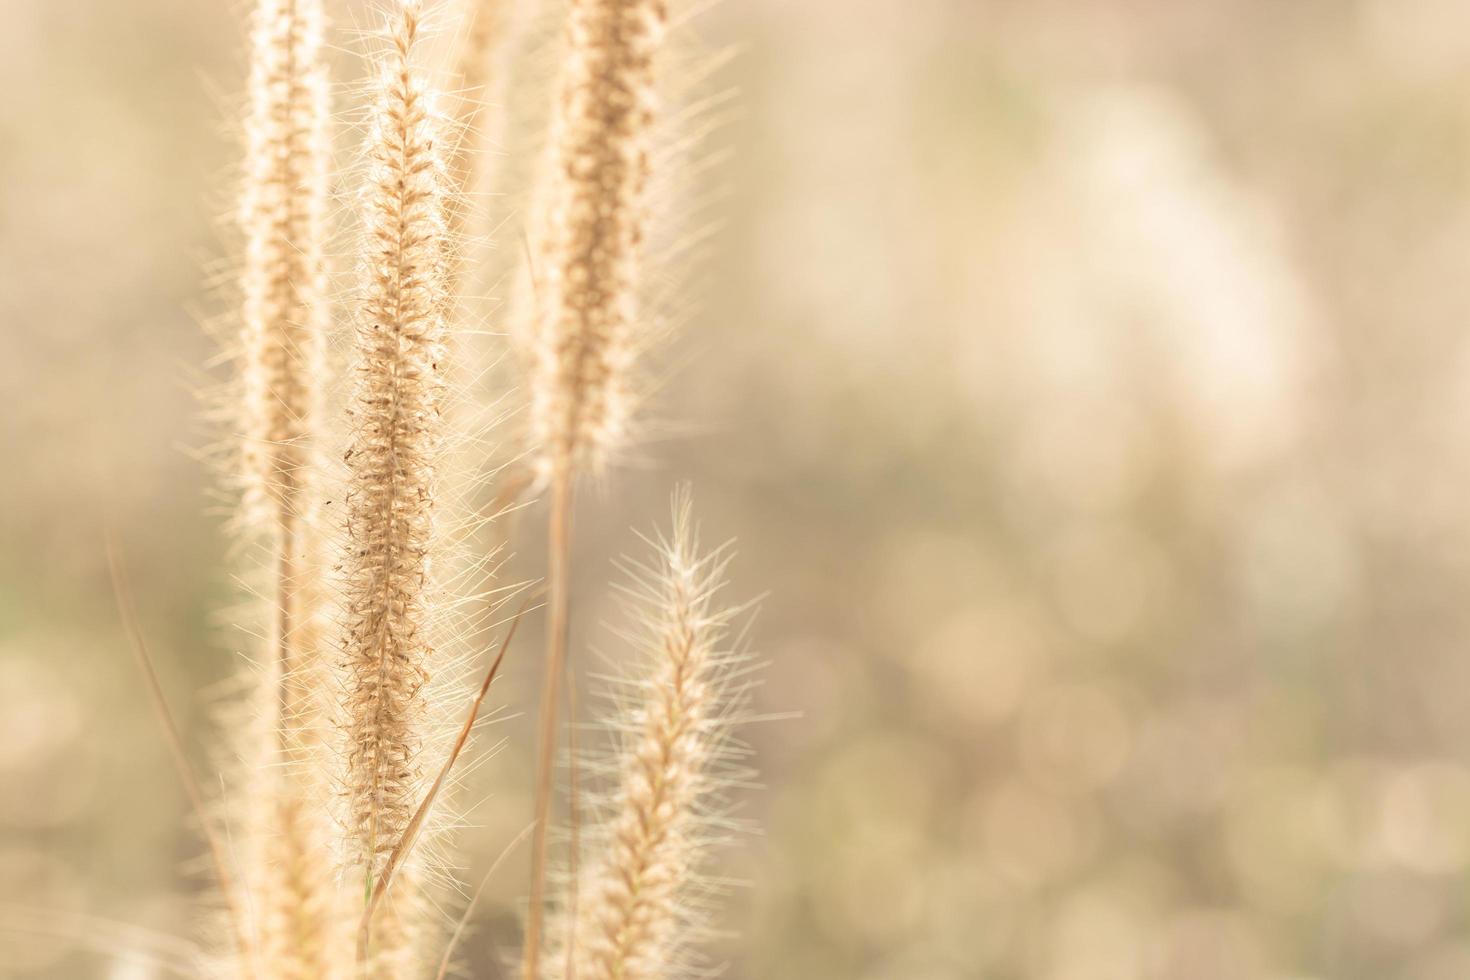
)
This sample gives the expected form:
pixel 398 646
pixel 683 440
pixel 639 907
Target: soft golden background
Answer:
pixel 1085 380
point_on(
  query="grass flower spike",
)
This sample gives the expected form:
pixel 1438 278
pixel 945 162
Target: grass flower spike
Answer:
pixel 289 871
pixel 640 911
pixel 283 215
pixel 367 491
pixel 397 407
pixel 587 313
pixel 589 252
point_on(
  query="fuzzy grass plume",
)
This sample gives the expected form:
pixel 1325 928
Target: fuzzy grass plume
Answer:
pixel 590 249
pixel 396 415
pixel 584 334
pixel 289 873
pixel 641 907
pixel 407 568
pixel 283 215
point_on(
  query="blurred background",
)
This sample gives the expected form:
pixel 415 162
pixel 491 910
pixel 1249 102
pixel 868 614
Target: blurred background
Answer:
pixel 1087 385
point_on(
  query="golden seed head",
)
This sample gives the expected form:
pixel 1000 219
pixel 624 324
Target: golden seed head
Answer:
pixel 587 308
pixel 283 214
pixel 287 869
pixel 396 416
pixel 635 917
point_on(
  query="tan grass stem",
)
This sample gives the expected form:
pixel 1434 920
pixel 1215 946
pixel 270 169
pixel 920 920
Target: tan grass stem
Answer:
pixel 559 545
pixel 224 874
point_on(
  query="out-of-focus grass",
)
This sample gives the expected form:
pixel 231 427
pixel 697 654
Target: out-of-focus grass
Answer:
pixel 1085 383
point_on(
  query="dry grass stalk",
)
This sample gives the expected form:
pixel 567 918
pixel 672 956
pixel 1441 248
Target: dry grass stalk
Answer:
pixel 415 826
pixel 283 215
pixel 637 917
pixel 399 395
pixel 588 309
pixel 218 852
